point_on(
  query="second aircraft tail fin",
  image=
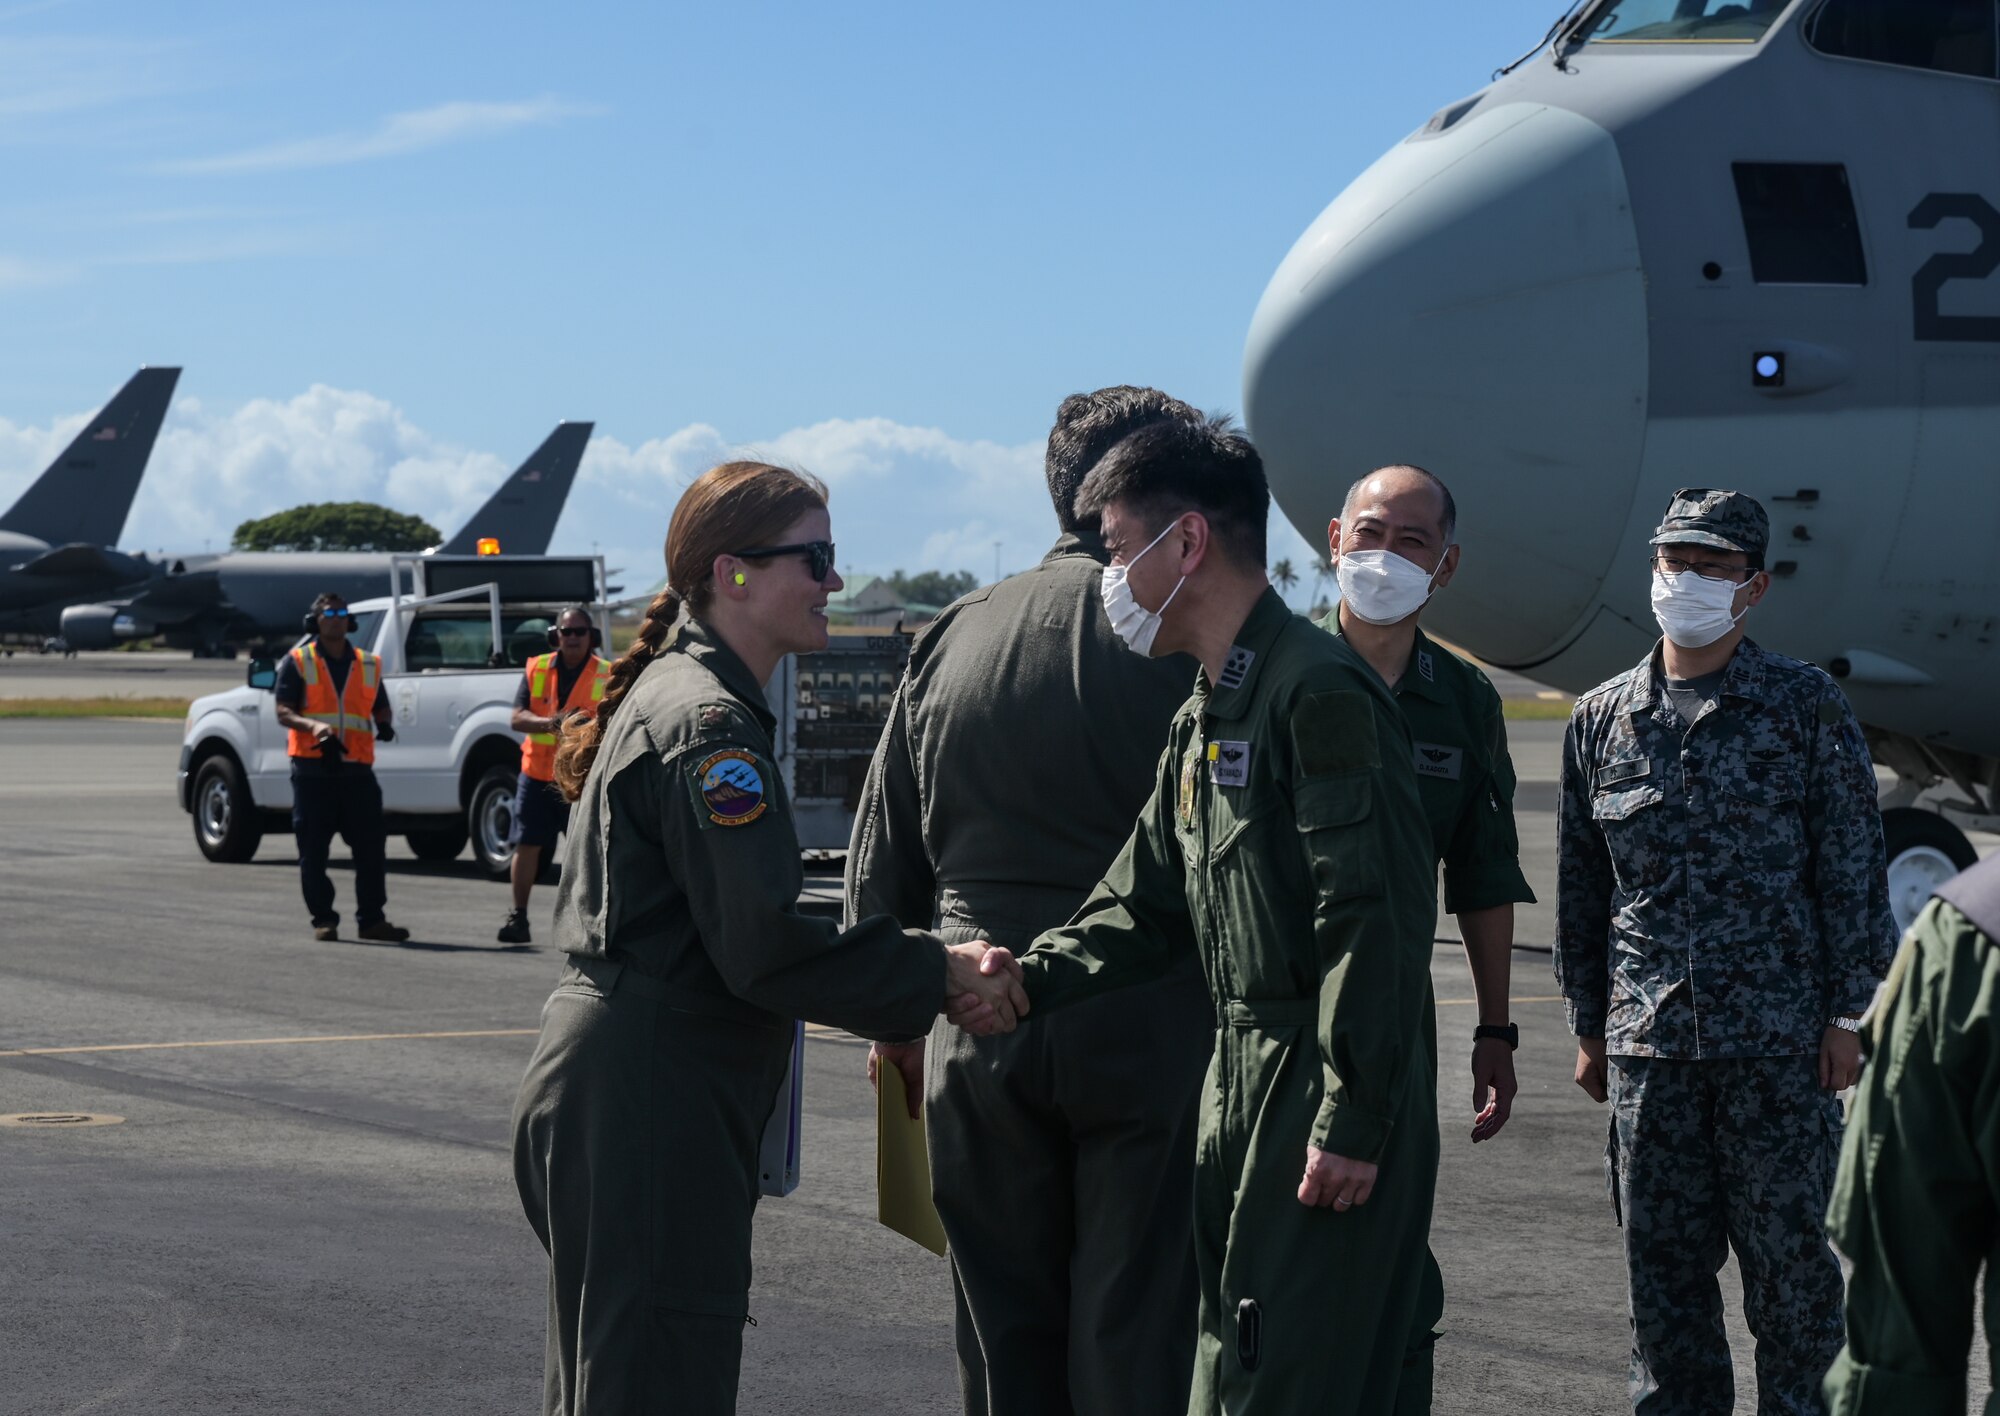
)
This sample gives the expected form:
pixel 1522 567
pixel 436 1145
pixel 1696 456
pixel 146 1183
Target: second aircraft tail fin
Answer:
pixel 522 515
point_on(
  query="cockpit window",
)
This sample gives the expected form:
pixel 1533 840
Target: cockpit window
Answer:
pixel 1949 36
pixel 1680 21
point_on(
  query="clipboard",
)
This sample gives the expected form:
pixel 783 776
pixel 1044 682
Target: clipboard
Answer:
pixel 903 1166
pixel 778 1153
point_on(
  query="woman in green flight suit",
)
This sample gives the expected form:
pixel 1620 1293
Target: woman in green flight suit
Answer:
pixel 637 1126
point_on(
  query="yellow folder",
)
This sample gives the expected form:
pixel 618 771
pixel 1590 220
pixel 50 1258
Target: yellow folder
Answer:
pixel 903 1166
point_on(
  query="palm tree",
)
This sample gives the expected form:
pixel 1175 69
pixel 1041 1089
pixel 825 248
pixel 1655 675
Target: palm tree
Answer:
pixel 1322 574
pixel 1285 576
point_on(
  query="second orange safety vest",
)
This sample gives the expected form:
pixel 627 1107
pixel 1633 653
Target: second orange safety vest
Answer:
pixel 538 752
pixel 351 712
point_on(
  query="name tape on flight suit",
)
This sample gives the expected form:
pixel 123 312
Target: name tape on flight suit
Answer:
pixel 1436 760
pixel 1229 764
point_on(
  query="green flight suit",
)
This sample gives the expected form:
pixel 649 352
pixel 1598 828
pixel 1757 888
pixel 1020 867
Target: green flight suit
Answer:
pixel 637 1125
pixel 1286 844
pixel 1465 777
pixel 1916 1202
pixel 1062 1154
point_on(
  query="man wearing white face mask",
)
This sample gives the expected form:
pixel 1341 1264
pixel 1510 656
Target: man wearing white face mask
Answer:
pixel 1392 548
pixel 1284 851
pixel 1722 921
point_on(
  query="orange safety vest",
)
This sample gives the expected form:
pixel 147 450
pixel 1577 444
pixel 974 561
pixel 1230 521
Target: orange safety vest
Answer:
pixel 538 753
pixel 352 713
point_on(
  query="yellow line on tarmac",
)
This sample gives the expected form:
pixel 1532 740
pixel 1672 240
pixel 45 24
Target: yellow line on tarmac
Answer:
pixel 259 1042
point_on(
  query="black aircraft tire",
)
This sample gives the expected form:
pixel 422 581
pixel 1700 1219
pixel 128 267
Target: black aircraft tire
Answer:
pixel 226 826
pixel 438 842
pixel 1924 851
pixel 489 816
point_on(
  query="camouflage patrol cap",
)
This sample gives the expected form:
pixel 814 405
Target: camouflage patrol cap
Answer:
pixel 1710 516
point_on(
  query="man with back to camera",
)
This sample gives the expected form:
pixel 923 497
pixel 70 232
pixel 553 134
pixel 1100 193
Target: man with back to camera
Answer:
pixel 1722 920
pixel 1285 845
pixel 554 688
pixel 329 697
pixel 1062 1157
pixel 1393 546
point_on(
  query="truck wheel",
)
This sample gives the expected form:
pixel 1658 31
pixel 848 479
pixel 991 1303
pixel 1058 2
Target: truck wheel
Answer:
pixel 489 820
pixel 225 818
pixel 1924 851
pixel 437 842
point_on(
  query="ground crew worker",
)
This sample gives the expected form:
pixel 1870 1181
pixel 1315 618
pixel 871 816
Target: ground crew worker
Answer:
pixel 1062 1156
pixel 1916 1205
pixel 637 1126
pixel 330 699
pixel 556 687
pixel 1284 843
pixel 1393 546
pixel 1722 920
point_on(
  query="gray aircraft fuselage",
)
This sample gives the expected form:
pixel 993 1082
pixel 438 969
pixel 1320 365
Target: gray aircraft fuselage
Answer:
pixel 21 592
pixel 1552 296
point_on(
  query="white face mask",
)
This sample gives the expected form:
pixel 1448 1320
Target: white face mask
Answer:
pixel 1130 620
pixel 1692 611
pixel 1380 587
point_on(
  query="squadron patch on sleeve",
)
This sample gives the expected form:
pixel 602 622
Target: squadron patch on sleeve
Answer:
pixel 728 788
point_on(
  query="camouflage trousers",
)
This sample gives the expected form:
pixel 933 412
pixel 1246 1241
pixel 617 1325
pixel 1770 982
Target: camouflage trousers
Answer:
pixel 1706 1157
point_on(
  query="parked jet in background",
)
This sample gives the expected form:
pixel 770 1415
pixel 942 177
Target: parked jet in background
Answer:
pixel 215 604
pixel 1699 244
pixel 56 541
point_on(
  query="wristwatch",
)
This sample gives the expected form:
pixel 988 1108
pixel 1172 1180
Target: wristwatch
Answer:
pixel 1852 1025
pixel 1508 1033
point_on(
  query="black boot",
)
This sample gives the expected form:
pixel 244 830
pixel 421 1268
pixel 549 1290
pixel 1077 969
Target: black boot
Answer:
pixel 515 930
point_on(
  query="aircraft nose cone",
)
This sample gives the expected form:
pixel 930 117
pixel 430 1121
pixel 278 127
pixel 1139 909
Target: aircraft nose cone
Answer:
pixel 1473 303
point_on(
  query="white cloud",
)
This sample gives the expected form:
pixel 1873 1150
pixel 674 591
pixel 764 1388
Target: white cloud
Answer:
pixel 16 273
pixel 394 136
pixel 60 75
pixel 903 497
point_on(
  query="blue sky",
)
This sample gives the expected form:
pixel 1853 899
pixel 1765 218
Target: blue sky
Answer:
pixel 393 244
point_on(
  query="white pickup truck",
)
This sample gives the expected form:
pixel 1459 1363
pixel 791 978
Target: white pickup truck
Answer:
pixel 452 656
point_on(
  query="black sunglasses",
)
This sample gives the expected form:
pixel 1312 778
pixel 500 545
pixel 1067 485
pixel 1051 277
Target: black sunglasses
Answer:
pixel 570 631
pixel 818 554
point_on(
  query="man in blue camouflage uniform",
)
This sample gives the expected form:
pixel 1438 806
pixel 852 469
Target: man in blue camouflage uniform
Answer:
pixel 1722 921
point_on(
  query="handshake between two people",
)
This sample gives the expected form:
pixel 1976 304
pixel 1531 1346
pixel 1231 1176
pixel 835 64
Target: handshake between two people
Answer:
pixel 982 988
pixel 982 994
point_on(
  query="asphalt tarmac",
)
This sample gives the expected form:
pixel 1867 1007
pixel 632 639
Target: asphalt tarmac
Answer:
pixel 308 1205
pixel 171 673
pixel 116 674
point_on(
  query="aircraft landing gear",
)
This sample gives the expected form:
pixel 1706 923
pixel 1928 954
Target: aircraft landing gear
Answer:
pixel 1924 851
pixel 1925 846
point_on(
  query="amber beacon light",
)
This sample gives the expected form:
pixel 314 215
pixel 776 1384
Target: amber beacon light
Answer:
pixel 489 545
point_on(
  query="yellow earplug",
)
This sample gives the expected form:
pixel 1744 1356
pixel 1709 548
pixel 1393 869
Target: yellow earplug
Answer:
pixel 739 578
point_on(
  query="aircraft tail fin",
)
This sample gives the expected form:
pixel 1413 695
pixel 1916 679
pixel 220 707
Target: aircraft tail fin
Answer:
pixel 522 515
pixel 85 494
